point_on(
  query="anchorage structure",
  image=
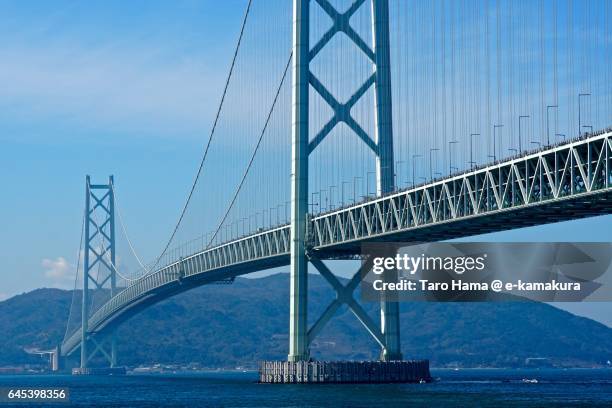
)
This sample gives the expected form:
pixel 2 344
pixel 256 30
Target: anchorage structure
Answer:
pixel 381 143
pixel 98 265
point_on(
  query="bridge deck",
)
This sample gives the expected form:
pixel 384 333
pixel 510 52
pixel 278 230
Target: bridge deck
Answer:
pixel 567 181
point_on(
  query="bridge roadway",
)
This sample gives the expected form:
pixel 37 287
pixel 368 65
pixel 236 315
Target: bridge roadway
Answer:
pixel 567 181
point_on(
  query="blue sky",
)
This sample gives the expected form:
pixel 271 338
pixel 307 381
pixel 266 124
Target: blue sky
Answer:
pixel 123 88
pixel 85 90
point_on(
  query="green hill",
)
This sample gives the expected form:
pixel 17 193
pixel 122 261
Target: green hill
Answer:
pixel 239 324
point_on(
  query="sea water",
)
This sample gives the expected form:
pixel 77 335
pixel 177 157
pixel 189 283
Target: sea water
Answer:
pixel 463 387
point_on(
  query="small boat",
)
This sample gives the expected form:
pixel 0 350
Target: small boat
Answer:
pixel 530 380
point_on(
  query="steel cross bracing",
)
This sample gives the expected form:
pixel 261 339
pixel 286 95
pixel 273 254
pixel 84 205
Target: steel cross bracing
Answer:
pixel 569 181
pixel 99 244
pixel 344 295
pixel 342 111
pixel 380 142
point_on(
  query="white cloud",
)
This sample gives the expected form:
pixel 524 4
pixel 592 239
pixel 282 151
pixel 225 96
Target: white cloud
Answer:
pixel 59 271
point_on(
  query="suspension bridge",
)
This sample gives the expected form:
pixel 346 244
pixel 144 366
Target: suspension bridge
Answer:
pixel 383 93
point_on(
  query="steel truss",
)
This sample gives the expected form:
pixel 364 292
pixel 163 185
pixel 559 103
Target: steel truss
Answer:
pixel 344 295
pixel 381 143
pixel 99 252
pixel 550 180
pixel 569 181
pixel 263 247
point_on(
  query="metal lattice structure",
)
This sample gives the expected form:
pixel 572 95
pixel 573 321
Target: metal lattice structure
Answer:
pixel 568 181
pixel 562 182
pixel 98 252
pixel 260 251
pixel 381 144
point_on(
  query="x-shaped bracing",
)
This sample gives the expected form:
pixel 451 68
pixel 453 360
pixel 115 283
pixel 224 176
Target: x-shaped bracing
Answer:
pixel 99 257
pixel 99 230
pixel 100 348
pixel 342 111
pixel 99 202
pixel 341 22
pixel 344 295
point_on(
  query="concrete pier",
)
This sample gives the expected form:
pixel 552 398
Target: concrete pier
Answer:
pixel 98 371
pixel 317 372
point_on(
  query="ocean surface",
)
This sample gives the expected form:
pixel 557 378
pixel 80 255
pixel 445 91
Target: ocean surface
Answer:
pixel 466 387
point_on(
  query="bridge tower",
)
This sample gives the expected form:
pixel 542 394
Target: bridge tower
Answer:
pixel 381 143
pixel 98 265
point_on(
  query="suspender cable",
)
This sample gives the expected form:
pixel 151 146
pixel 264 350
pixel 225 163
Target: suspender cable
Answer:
pixel 127 238
pixel 250 164
pixel 212 133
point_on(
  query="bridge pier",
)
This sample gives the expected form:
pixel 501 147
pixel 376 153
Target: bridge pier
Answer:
pixel 298 340
pixel 391 368
pixel 385 180
pixel 381 143
pixel 99 371
pixel 56 359
pixel 339 372
pixel 390 326
pixel 99 253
